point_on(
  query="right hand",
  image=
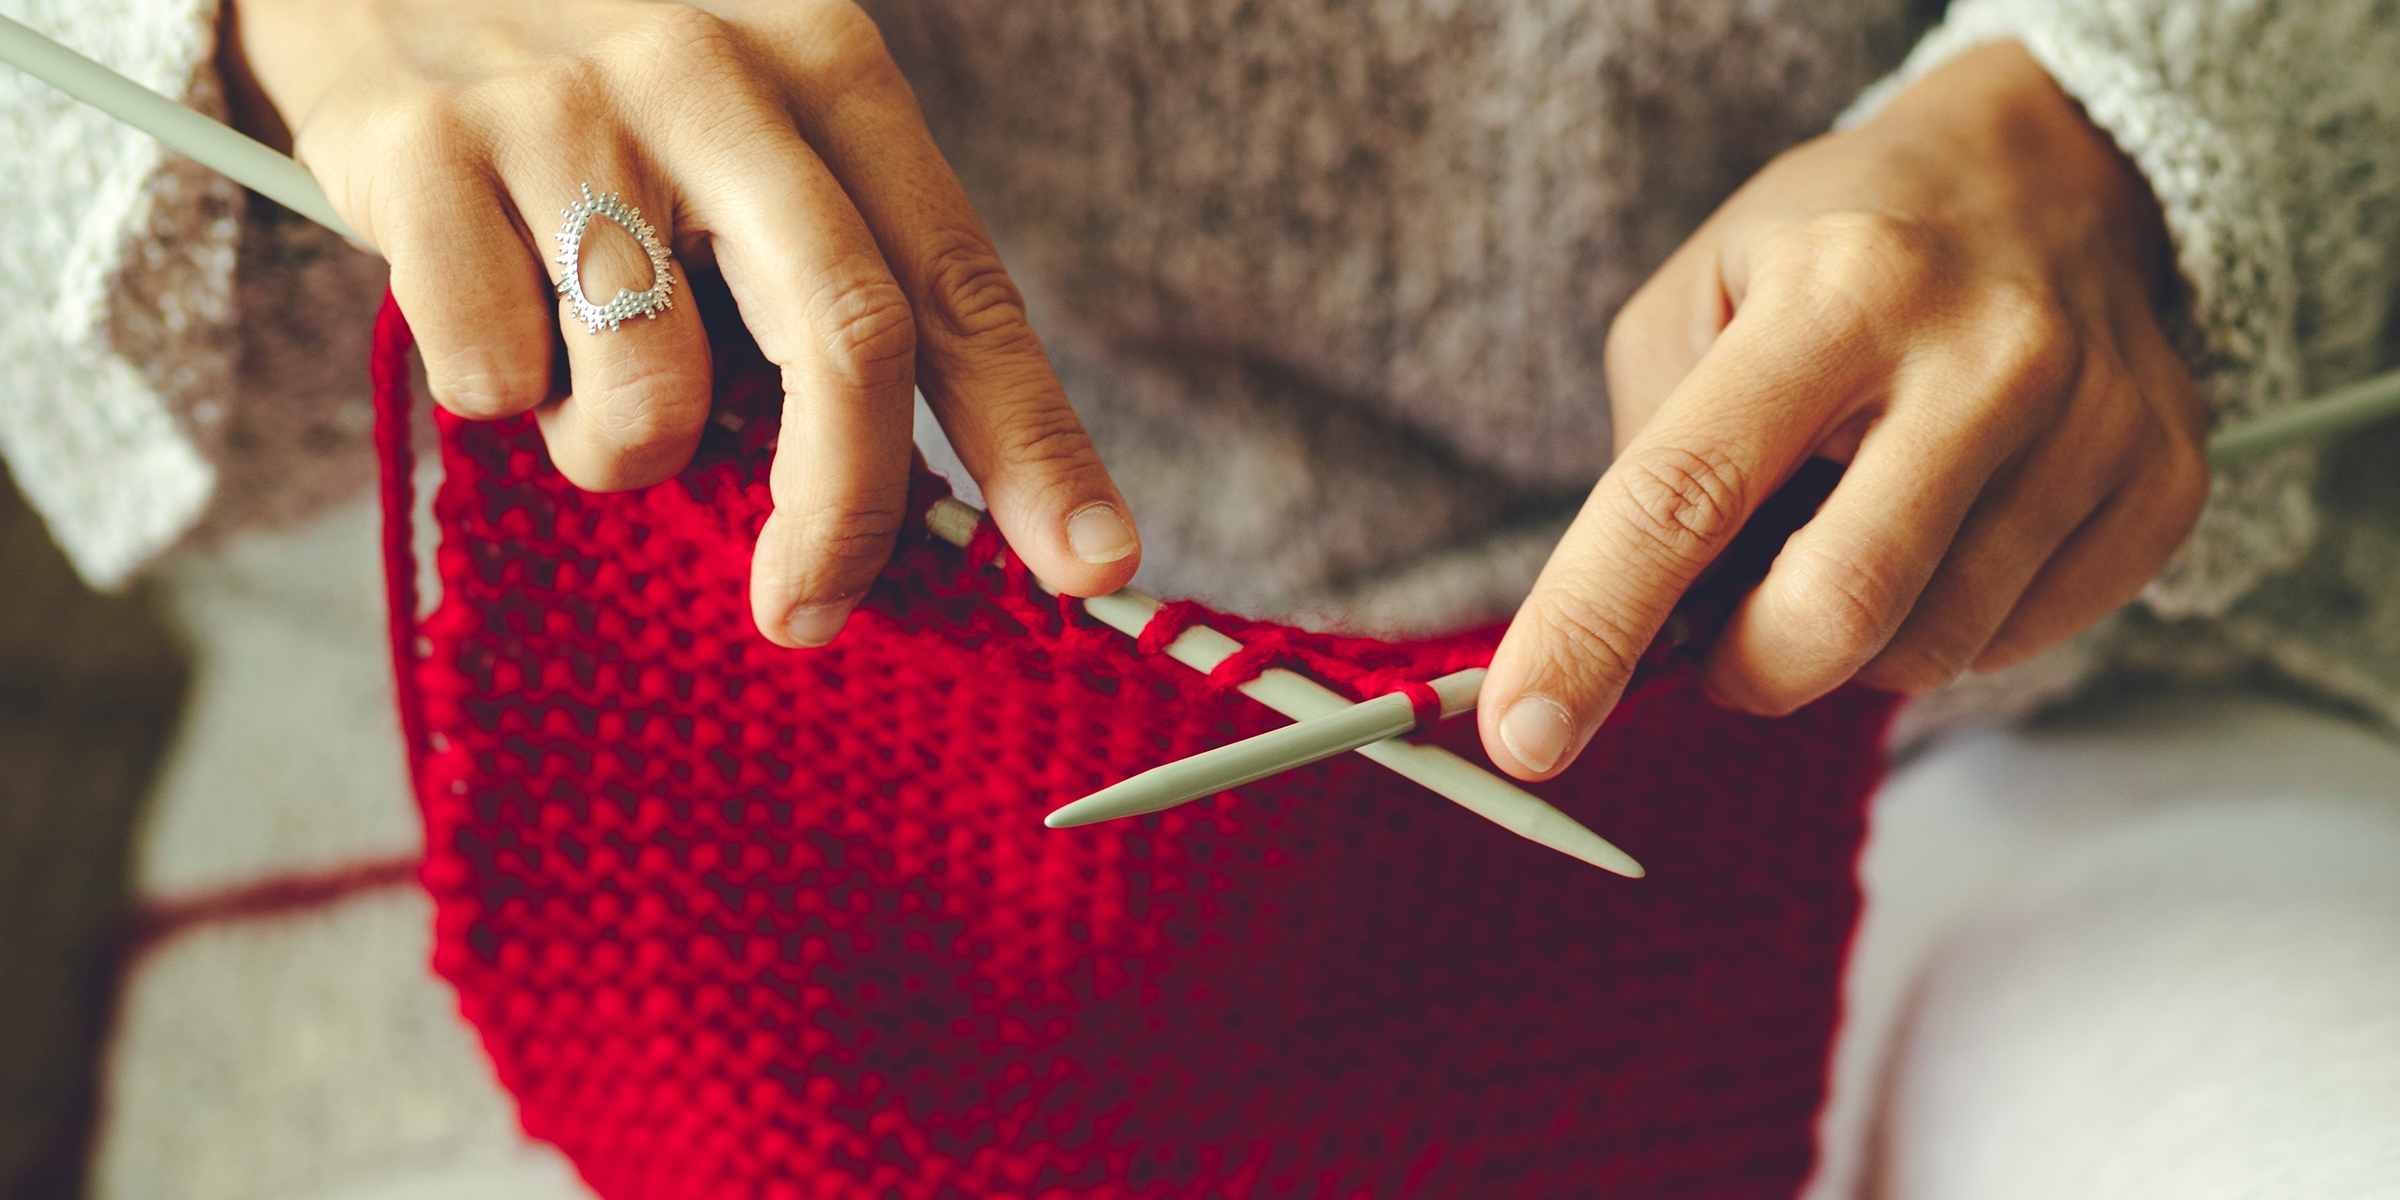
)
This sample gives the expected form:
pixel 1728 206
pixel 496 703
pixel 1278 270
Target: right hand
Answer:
pixel 773 141
pixel 1958 298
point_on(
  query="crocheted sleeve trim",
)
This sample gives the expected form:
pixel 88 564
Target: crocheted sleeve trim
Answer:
pixel 2271 135
pixel 117 328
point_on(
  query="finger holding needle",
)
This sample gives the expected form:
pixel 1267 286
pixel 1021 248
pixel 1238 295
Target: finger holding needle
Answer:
pixel 1128 611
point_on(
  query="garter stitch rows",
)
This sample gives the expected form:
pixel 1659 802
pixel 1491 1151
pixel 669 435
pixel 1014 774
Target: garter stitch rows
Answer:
pixel 735 921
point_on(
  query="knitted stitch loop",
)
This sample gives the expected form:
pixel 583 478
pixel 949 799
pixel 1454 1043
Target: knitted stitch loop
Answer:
pixel 738 921
pixel 1423 701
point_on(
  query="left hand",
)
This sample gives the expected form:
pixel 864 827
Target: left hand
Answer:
pixel 775 146
pixel 1958 299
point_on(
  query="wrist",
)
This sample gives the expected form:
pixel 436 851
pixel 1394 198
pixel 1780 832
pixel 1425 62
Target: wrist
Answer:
pixel 2042 157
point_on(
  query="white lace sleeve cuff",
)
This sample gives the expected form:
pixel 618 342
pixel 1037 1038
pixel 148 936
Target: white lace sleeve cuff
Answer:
pixel 117 330
pixel 2271 135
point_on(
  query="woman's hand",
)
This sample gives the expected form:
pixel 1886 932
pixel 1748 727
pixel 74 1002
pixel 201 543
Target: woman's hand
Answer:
pixel 1955 298
pixel 770 140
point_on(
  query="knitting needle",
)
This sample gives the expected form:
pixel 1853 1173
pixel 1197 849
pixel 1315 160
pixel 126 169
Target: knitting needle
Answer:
pixel 262 170
pixel 2337 411
pixel 254 165
pixel 1128 611
pixel 1271 753
pixel 259 168
pixel 217 146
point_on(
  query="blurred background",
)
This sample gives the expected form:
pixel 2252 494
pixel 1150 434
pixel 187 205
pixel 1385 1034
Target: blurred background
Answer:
pixel 89 688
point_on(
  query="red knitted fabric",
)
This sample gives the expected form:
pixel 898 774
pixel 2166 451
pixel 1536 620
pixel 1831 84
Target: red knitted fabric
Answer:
pixel 737 921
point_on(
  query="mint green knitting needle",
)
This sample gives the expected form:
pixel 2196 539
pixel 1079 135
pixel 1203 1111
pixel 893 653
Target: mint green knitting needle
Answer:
pixel 262 170
pixel 2343 409
pixel 247 162
pixel 1271 753
pixel 221 148
pixel 1308 741
pixel 1128 611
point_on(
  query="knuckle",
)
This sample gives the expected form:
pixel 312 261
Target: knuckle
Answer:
pixel 2111 411
pixel 1757 696
pixel 1749 692
pixel 480 385
pixel 970 294
pixel 1840 610
pixel 536 116
pixel 1681 501
pixel 846 51
pixel 846 542
pixel 2171 493
pixel 1854 269
pixel 594 469
pixel 423 135
pixel 691 69
pixel 558 93
pixel 686 40
pixel 2184 484
pixel 593 473
pixel 1875 245
pixel 1914 670
pixel 643 415
pixel 1045 437
pixel 422 115
pixel 2033 346
pixel 869 332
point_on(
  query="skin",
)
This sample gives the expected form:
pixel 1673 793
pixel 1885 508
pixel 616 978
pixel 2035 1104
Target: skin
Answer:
pixel 782 157
pixel 1957 298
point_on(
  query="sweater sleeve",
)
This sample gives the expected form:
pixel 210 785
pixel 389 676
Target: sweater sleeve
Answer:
pixel 2271 135
pixel 117 334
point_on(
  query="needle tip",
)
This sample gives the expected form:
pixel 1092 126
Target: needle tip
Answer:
pixel 1602 853
pixel 1569 837
pixel 1070 816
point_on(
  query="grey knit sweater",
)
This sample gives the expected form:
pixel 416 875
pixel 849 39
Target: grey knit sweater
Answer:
pixel 1329 280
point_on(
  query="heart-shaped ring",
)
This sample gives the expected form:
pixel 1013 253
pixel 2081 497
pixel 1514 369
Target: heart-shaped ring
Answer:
pixel 627 304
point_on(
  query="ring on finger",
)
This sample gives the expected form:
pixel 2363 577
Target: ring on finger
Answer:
pixel 627 303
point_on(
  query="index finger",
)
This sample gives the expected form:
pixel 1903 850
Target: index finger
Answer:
pixel 980 364
pixel 1776 384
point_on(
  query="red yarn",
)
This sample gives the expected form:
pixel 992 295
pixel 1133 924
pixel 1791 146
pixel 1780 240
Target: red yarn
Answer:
pixel 1424 702
pixel 1167 624
pixel 736 921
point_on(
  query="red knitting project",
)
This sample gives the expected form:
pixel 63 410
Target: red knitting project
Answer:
pixel 738 921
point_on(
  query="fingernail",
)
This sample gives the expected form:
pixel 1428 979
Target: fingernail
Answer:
pixel 1096 534
pixel 816 624
pixel 1536 730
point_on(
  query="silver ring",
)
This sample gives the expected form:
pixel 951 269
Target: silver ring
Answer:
pixel 628 303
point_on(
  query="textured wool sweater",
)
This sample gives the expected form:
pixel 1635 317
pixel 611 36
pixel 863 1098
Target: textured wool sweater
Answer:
pixel 1329 282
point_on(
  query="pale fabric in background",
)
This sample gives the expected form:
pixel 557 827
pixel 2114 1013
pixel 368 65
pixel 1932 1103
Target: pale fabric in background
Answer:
pixel 1329 281
pixel 309 1055
pixel 1371 303
pixel 2145 950
pixel 2198 886
pixel 89 688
